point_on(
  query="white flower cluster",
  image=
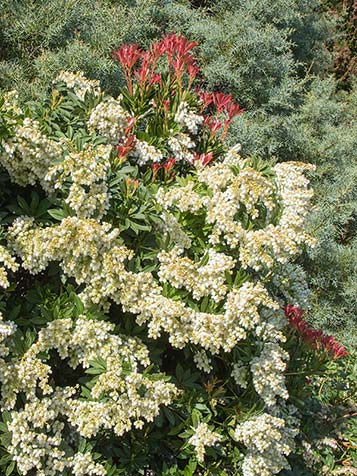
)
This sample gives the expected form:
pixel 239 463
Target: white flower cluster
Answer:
pixel 203 437
pixel 79 83
pixel 83 465
pixel 202 361
pixel 212 331
pixel 234 193
pixel 240 374
pixel 24 375
pixel 84 340
pixel 109 119
pixel 8 262
pixel 145 153
pixel 268 442
pixel 232 157
pixel 172 228
pixel 268 373
pixel 79 244
pixel 87 170
pixel 280 242
pixel 37 440
pixel 180 145
pixel 184 198
pixel 270 327
pixel 206 280
pixel 36 436
pixel 184 117
pixel 231 193
pixel 7 329
pixel 28 154
pixel 87 341
pixel 121 397
pixel 243 305
pixel 10 105
pixel 92 254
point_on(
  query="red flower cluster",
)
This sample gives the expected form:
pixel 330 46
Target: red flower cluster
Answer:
pixel 178 51
pixel 213 125
pixel 224 104
pixel 150 88
pixel 166 166
pixel 205 159
pixel 127 143
pixel 314 337
pixel 128 55
pixel 125 146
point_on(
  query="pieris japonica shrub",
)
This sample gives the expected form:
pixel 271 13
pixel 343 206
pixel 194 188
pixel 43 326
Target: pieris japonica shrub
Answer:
pixel 261 52
pixel 150 324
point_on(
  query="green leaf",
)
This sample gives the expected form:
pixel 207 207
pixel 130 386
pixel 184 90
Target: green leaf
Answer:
pixel 204 304
pixel 169 415
pixel 3 427
pixel 179 372
pixel 57 214
pixel 42 208
pixel 195 417
pixel 204 260
pixel 5 459
pixel 15 312
pixel 23 205
pixel 82 445
pixel 10 468
pixel 35 200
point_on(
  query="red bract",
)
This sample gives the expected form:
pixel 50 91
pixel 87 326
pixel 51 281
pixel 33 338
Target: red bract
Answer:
pixel 178 65
pixel 330 344
pixel 314 337
pixel 169 164
pixel 157 50
pixel 128 55
pixel 293 313
pixel 213 125
pixel 206 98
pixel 145 68
pixel 173 44
pixel 224 105
pixel 155 168
pixel 178 50
pixel 192 71
pixel 155 79
pixel 222 101
pixel 205 159
pixel 159 80
pixel 131 123
pixel 126 146
pixel 233 110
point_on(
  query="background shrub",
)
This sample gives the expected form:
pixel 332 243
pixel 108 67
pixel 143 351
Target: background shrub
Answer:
pixel 40 38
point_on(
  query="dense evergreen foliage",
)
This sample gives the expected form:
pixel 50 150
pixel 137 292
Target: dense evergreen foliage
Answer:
pixel 265 53
pixel 40 38
pixel 291 65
